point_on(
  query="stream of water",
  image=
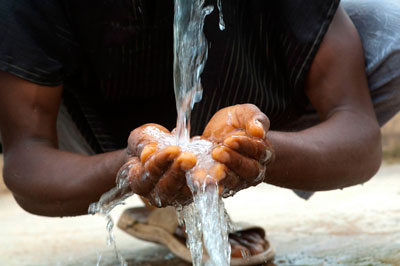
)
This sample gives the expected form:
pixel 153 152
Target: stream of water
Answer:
pixel 205 220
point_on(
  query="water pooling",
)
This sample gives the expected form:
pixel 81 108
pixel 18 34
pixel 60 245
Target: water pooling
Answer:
pixel 205 220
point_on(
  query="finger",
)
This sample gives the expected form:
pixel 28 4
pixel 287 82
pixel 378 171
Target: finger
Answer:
pixel 247 168
pixel 250 147
pixel 260 150
pixel 231 184
pixel 255 129
pixel 123 171
pixel 160 161
pixel 205 177
pixel 174 178
pixel 251 118
pixel 148 150
pixel 138 179
pixel 227 180
pixel 155 199
pixel 144 135
pixel 147 176
pixel 184 196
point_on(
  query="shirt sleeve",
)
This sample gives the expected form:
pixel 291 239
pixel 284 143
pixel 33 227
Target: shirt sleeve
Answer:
pixel 36 43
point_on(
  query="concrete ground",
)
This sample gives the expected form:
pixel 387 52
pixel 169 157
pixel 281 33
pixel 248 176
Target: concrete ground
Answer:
pixel 354 226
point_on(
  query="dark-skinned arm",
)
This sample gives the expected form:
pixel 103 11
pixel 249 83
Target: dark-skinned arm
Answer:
pixel 43 179
pixel 51 182
pixel 345 148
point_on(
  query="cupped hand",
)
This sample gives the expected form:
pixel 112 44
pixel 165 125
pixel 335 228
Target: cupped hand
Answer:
pixel 239 133
pixel 156 168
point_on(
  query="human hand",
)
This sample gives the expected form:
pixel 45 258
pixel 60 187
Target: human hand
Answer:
pixel 239 133
pixel 156 167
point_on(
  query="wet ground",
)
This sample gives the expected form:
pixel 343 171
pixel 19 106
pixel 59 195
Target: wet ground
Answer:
pixel 356 226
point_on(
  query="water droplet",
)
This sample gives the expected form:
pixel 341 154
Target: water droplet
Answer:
pixel 221 16
pixel 157 200
pixel 229 193
pixel 207 10
pixel 268 155
pixel 261 174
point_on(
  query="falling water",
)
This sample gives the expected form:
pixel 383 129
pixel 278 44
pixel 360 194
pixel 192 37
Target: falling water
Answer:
pixel 221 16
pixel 190 54
pixel 104 206
pixel 205 219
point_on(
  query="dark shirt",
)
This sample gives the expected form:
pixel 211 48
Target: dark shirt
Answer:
pixel 115 59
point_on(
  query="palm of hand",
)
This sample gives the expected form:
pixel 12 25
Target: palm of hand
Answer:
pixel 156 167
pixel 239 133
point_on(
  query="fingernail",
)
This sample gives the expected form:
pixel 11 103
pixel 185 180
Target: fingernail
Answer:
pixel 221 155
pixel 219 172
pixel 187 161
pixel 257 130
pixel 231 143
pixel 187 165
pixel 147 151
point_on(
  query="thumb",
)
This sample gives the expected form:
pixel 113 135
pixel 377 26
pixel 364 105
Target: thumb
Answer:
pixel 255 122
pixel 144 135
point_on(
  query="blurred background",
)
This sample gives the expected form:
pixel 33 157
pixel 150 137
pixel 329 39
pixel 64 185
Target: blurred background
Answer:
pixel 354 226
pixel 391 140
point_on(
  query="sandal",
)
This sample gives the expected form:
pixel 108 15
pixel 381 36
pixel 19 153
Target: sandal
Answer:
pixel 160 226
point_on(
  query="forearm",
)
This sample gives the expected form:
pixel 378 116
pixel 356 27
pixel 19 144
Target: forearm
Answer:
pixel 50 182
pixel 344 150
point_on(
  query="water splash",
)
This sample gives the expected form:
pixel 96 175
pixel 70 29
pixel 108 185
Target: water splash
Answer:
pixel 107 202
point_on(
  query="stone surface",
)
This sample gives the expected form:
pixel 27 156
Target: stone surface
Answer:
pixel 355 226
